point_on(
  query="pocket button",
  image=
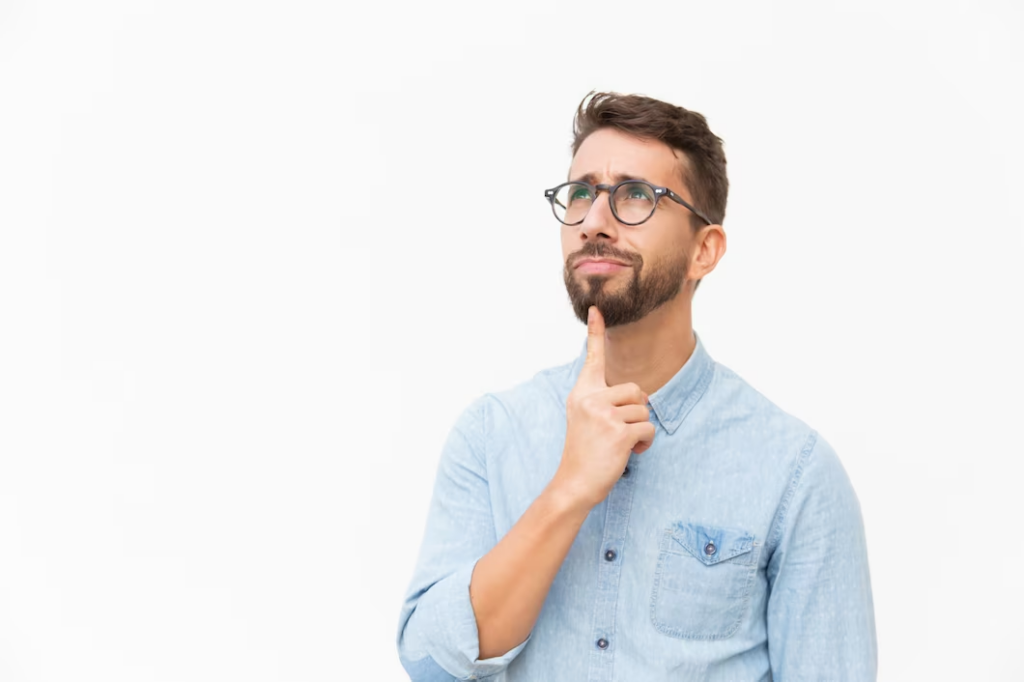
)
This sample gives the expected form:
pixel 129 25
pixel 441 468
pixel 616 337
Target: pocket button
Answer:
pixel 709 548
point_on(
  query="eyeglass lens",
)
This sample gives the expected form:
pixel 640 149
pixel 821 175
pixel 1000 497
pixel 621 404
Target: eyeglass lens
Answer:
pixel 632 202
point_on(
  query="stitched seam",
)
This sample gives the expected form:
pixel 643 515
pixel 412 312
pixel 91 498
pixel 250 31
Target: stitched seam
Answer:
pixel 486 427
pixel 749 589
pixel 718 560
pixel 695 396
pixel 657 584
pixel 775 534
pixel 487 475
pixel 597 582
pixel 618 582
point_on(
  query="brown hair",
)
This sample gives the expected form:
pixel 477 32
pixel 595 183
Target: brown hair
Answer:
pixel 703 169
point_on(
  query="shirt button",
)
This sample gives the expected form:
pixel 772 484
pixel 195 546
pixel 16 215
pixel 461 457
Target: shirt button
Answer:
pixel 609 555
pixel 709 548
pixel 625 472
pixel 602 643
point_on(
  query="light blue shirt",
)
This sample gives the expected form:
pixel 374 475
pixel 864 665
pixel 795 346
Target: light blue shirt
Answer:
pixel 732 550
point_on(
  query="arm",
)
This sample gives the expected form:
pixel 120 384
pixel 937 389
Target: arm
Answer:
pixel 473 596
pixel 512 581
pixel 437 632
pixel 472 603
pixel 821 622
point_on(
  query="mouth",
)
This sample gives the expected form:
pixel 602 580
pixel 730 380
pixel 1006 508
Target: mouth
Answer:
pixel 593 265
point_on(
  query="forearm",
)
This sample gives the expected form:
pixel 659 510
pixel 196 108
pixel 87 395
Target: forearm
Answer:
pixel 510 583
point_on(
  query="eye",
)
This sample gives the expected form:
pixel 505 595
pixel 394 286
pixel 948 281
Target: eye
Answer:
pixel 636 192
pixel 579 192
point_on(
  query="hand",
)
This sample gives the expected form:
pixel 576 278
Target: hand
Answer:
pixel 603 425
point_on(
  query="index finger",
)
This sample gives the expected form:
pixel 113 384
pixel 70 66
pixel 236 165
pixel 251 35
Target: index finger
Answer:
pixel 593 366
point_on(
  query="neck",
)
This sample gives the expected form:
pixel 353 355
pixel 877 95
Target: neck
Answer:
pixel 650 351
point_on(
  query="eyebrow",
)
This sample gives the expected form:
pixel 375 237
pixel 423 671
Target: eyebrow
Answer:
pixel 617 177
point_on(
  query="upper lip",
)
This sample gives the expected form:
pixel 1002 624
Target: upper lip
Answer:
pixel 581 261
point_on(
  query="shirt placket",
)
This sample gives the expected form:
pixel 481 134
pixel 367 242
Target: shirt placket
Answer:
pixel 613 553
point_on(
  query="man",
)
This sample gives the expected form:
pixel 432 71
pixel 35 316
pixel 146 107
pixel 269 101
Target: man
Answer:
pixel 642 513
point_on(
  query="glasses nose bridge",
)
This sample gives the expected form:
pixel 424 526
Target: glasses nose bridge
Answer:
pixel 607 189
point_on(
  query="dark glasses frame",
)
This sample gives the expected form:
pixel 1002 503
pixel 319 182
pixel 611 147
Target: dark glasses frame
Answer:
pixel 659 192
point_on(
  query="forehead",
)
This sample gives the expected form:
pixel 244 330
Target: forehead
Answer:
pixel 609 153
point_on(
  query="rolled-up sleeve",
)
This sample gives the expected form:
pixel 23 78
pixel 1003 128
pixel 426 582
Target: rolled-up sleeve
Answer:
pixel 821 622
pixel 437 632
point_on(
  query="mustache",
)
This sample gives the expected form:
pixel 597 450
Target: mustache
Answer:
pixel 602 250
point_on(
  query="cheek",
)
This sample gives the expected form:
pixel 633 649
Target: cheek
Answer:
pixel 570 243
pixel 665 244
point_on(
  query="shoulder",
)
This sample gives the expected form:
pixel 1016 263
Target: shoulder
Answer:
pixel 497 410
pixel 732 403
pixel 748 402
pixel 787 441
pixel 536 396
pixel 815 485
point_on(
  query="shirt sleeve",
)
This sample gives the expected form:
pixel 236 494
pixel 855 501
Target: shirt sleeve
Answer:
pixel 437 632
pixel 821 622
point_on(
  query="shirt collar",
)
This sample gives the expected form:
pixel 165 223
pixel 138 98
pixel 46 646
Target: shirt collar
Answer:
pixel 673 401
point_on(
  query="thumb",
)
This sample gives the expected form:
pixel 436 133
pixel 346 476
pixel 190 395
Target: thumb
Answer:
pixel 593 366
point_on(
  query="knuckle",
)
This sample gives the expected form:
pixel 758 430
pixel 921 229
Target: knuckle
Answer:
pixel 588 405
pixel 635 392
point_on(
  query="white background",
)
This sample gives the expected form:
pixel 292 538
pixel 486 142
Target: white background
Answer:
pixel 256 257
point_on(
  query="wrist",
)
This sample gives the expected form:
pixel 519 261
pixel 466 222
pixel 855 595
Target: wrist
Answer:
pixel 567 496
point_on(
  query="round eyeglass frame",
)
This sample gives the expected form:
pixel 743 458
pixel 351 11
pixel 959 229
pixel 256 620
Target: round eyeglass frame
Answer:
pixel 659 192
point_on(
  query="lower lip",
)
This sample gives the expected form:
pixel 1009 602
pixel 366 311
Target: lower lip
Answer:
pixel 593 267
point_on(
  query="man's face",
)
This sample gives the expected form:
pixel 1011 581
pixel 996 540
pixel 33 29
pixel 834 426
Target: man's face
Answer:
pixel 654 255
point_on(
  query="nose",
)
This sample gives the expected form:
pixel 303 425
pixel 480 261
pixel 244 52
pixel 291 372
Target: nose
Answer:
pixel 599 221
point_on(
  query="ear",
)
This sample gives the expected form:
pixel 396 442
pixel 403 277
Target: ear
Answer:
pixel 708 248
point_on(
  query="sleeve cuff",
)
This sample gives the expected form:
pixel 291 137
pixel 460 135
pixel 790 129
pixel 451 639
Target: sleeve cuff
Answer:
pixel 455 625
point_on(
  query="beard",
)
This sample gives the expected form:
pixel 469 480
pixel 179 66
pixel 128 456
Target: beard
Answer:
pixel 648 287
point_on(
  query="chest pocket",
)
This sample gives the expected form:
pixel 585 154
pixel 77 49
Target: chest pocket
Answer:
pixel 703 580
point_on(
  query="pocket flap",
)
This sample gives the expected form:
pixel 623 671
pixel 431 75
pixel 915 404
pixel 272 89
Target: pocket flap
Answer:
pixel 712 544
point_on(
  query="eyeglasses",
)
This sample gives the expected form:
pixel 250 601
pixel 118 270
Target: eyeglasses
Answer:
pixel 632 201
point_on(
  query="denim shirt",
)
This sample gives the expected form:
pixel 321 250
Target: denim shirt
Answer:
pixel 733 549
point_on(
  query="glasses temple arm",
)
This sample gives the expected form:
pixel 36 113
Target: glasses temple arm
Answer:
pixel 679 200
